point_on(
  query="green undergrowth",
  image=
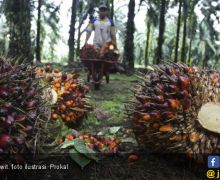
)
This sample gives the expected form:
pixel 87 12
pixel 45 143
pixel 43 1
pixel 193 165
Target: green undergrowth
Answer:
pixel 110 99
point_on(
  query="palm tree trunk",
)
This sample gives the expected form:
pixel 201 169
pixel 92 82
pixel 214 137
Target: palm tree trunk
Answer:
pixel 18 16
pixel 79 30
pixel 151 47
pixel 159 52
pixel 178 31
pixel 190 52
pixel 146 60
pixel 183 55
pixel 71 41
pixel 205 58
pixel 129 39
pixel 112 9
pixel 192 24
pixel 78 41
pixel 38 47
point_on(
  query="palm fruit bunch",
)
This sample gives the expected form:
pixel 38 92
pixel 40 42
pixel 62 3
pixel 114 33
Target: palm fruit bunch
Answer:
pixel 23 110
pixel 71 105
pixel 101 144
pixel 109 52
pixel 106 145
pixel 89 52
pixel 175 110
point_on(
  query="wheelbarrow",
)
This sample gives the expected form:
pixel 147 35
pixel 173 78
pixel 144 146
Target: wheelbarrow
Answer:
pixel 97 68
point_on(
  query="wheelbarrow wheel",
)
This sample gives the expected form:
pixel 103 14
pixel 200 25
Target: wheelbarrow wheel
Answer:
pixel 107 78
pixel 97 81
pixel 97 86
pixel 88 77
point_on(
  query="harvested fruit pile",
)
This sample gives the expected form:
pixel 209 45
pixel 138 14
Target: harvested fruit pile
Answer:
pixel 85 147
pixel 108 52
pixel 165 109
pixel 72 104
pixel 89 52
pixel 23 111
pixel 97 143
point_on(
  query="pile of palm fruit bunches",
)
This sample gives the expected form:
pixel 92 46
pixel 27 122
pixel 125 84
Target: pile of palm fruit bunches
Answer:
pixel 175 109
pixel 71 104
pixel 108 52
pixel 24 111
pixel 106 145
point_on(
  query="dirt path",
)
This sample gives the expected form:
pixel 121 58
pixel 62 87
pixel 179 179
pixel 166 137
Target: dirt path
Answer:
pixel 108 103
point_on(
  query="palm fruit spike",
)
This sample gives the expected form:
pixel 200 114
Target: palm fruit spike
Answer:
pixel 175 109
pixel 23 111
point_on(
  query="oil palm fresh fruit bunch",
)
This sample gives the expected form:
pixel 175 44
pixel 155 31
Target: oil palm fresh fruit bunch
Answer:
pixel 109 52
pixel 175 109
pixel 72 104
pixel 23 110
pixel 106 145
pixel 89 52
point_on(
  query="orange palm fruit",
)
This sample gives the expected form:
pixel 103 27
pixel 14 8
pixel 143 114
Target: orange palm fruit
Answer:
pixel 73 86
pixel 62 107
pixel 63 116
pixel 155 125
pixel 54 116
pixel 57 85
pixel 166 128
pixel 69 137
pixel 156 115
pixel 159 99
pixel 68 103
pixel 194 137
pixel 133 158
pixel 67 118
pixel 56 80
pixel 81 137
pixel 67 85
pixel 174 104
pixel 147 117
pixel 184 81
pixel 175 138
pixel 59 140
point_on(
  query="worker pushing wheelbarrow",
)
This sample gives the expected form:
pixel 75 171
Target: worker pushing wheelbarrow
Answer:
pixel 103 54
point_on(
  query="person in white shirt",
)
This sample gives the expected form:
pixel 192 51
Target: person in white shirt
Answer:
pixel 103 27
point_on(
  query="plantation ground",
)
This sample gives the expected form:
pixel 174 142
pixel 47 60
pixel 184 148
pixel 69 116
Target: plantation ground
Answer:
pixel 108 104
